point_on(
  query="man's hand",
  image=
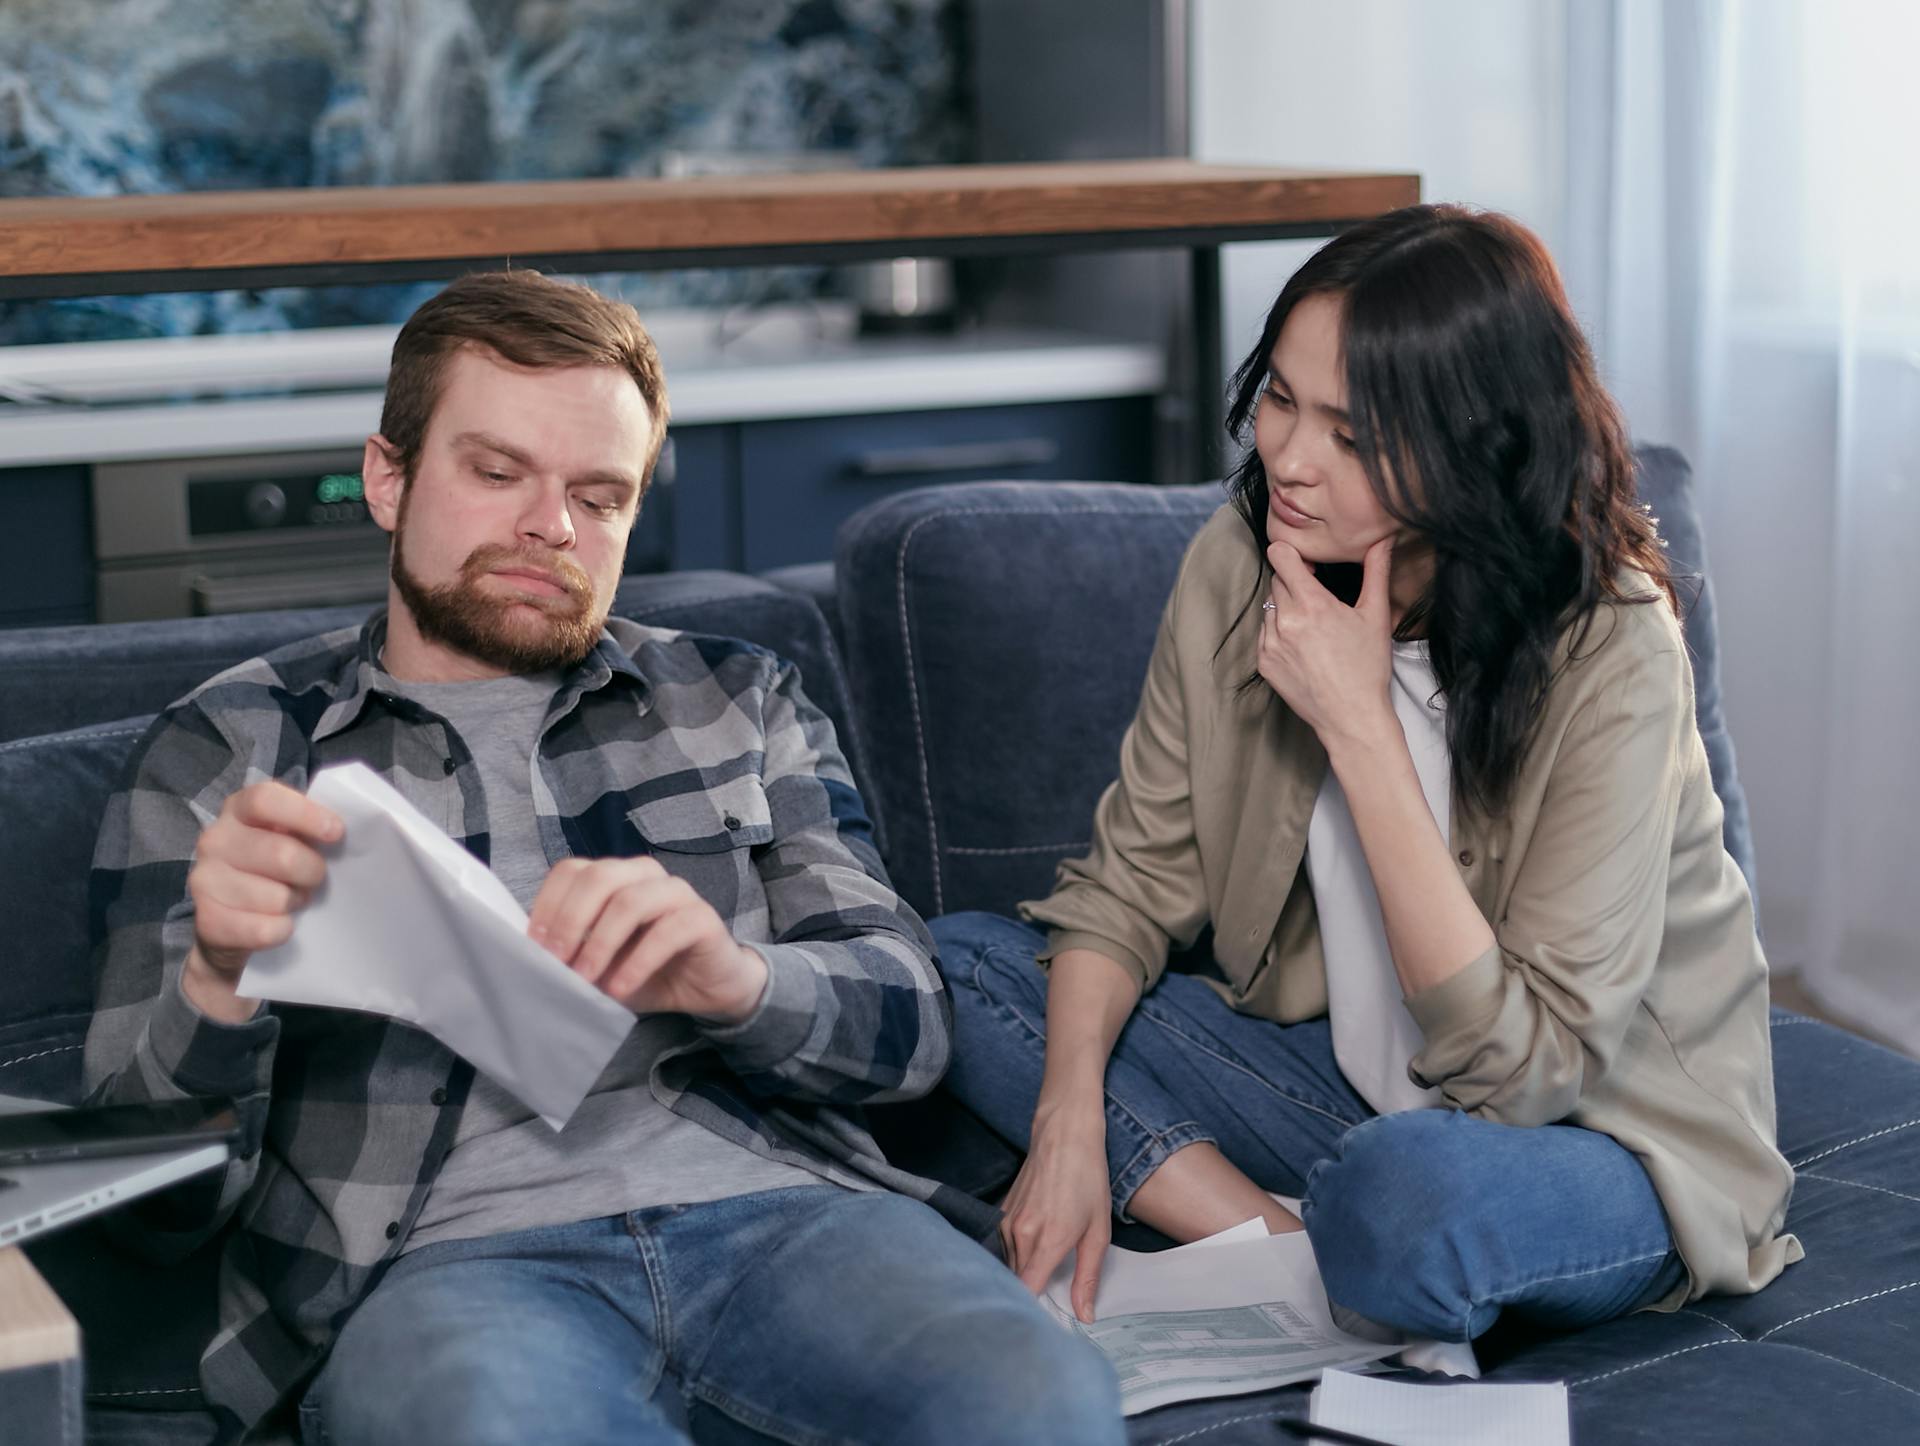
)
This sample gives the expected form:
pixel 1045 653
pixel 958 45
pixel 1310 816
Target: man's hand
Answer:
pixel 253 868
pixel 645 938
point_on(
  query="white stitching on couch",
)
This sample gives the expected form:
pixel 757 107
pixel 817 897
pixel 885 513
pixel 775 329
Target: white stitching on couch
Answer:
pixel 1842 1305
pixel 1812 1159
pixel 913 699
pixel 40 1054
pixel 1855 1365
pixel 1695 1310
pixel 1858 1185
pixel 1230 1421
pixel 1621 1371
pixel 40 740
pixel 148 1391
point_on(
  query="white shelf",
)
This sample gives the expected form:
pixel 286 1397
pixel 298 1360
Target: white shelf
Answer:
pixel 130 401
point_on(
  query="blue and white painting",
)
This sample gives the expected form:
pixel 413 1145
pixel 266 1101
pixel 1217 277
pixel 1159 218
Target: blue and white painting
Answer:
pixel 116 97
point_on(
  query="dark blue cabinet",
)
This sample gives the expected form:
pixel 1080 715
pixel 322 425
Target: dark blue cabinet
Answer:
pixel 46 547
pixel 800 479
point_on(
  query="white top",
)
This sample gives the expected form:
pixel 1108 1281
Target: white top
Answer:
pixel 1373 1035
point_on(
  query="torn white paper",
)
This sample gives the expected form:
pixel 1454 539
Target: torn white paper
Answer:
pixel 410 925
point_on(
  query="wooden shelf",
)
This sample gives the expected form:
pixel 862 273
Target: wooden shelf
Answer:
pixel 200 241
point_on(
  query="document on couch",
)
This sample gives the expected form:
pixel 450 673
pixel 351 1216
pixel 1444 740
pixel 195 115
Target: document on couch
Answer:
pixel 410 925
pixel 1240 1311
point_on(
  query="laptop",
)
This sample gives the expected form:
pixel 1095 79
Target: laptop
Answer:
pixel 36 1198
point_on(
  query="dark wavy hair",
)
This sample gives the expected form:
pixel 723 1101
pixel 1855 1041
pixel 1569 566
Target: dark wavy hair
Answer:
pixel 1483 427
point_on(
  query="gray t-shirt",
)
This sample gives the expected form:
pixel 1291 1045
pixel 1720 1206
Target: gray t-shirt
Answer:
pixel 622 1150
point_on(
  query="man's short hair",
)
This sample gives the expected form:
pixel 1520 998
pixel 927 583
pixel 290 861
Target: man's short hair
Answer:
pixel 530 320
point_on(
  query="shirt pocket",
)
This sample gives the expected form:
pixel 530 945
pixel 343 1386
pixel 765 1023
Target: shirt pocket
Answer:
pixel 714 819
pixel 710 837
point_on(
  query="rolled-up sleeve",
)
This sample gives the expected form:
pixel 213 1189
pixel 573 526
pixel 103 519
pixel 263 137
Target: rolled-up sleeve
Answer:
pixel 1526 1028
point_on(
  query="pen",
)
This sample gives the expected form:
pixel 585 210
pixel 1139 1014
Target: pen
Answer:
pixel 1312 1431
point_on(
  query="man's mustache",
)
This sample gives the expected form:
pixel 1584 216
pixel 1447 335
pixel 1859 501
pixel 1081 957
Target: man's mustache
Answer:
pixel 490 556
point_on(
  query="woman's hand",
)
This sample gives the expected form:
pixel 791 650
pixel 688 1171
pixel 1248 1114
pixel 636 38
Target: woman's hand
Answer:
pixel 1330 663
pixel 1061 1202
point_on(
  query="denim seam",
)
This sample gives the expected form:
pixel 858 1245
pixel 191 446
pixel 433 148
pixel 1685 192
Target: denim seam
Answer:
pixel 1178 1138
pixel 662 1305
pixel 1506 1297
pixel 759 1420
pixel 1255 1076
pixel 1815 1159
pixel 1187 1132
pixel 1859 1185
pixel 1651 1361
pixel 1838 1305
pixel 1040 1035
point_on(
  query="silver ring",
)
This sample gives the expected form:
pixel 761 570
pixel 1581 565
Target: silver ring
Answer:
pixel 1267 606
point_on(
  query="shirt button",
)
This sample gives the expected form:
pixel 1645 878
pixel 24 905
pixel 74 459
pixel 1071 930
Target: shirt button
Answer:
pixel 448 765
pixel 439 1097
pixel 1466 858
pixel 730 821
pixel 393 1229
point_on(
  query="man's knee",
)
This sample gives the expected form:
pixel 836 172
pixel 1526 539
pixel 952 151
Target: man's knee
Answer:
pixel 1018 1379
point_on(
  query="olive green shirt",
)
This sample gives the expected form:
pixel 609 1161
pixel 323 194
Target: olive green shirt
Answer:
pixel 1626 991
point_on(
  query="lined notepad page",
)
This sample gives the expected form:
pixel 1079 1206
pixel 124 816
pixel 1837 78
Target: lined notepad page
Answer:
pixel 1463 1413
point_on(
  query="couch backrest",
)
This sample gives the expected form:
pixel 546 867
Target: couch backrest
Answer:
pixel 997 635
pixel 56 786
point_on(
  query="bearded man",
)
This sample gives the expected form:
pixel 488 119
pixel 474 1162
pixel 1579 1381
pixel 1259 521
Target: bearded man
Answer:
pixel 713 1248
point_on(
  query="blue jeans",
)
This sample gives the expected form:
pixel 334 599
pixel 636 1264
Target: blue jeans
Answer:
pixel 810 1315
pixel 1429 1221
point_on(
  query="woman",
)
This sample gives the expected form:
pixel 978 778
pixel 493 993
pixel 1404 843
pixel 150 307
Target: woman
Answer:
pixel 1417 746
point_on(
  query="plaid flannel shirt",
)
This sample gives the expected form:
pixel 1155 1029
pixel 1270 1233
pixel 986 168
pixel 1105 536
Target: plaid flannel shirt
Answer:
pixel 701 751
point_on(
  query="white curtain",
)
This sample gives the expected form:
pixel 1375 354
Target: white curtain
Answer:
pixel 1743 241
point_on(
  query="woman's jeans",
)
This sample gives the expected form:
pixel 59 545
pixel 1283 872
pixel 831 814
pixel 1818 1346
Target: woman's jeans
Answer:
pixel 810 1315
pixel 1430 1221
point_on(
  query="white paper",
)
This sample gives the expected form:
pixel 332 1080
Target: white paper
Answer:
pixel 1461 1414
pixel 1239 1311
pixel 410 925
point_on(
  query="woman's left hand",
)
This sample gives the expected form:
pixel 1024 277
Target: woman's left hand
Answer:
pixel 1330 663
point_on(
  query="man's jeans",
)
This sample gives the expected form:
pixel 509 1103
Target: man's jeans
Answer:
pixel 813 1314
pixel 1430 1221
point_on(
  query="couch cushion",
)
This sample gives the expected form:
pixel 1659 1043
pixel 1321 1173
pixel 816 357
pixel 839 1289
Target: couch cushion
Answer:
pixel 52 679
pixel 997 634
pixel 1666 486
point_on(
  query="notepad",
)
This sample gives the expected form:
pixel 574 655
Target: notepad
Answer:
pixel 1476 1413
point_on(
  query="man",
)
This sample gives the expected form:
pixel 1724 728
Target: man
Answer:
pixel 712 1248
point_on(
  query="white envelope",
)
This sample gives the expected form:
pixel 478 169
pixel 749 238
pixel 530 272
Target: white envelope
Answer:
pixel 410 925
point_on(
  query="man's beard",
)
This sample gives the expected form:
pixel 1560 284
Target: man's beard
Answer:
pixel 552 632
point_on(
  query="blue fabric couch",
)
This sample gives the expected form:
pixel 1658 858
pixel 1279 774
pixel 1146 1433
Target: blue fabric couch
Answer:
pixel 980 649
